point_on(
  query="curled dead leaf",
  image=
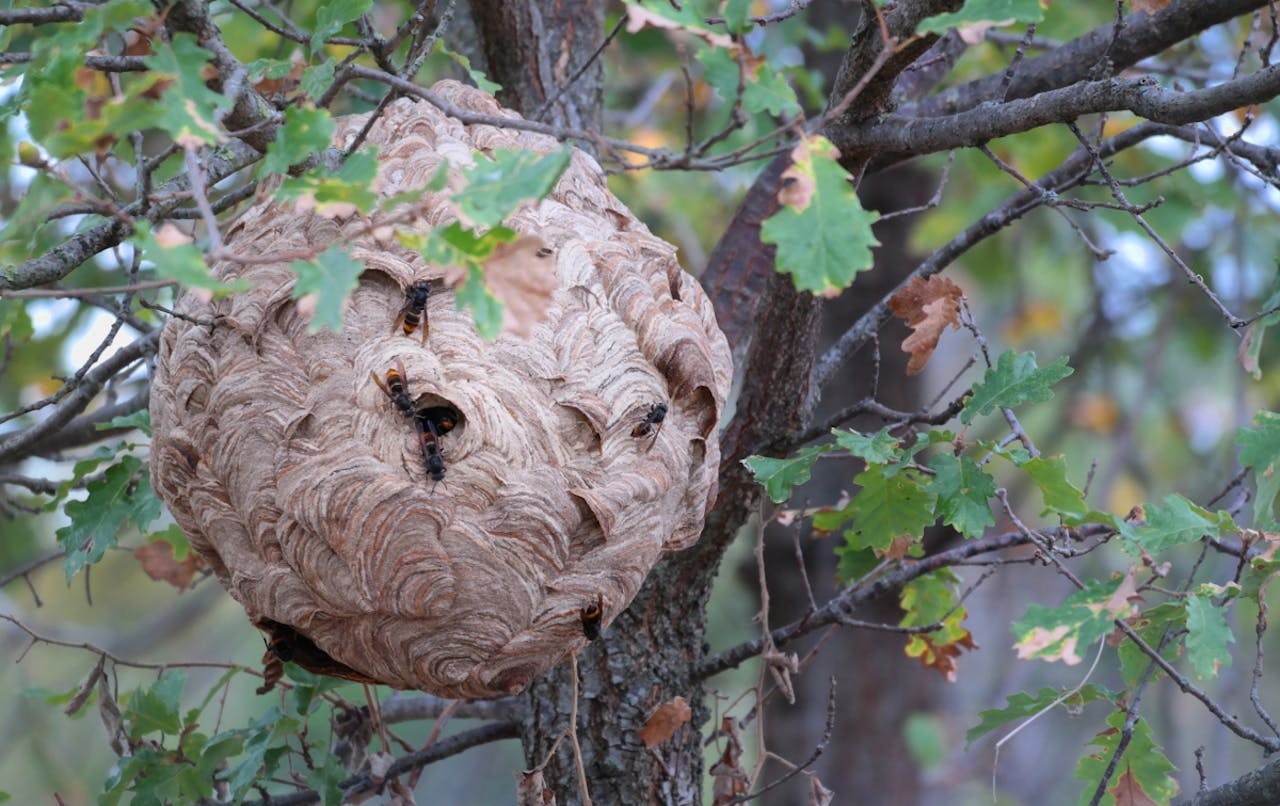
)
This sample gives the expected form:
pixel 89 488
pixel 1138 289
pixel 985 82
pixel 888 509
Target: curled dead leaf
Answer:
pixel 158 563
pixel 522 275
pixel 664 722
pixel 730 780
pixel 928 307
pixel 819 795
pixel 638 18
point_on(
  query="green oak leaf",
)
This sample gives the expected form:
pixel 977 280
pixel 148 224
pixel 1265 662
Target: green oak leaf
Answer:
pixel 332 15
pixel 1022 704
pixel 976 11
pixel 190 109
pixel 780 476
pixel 1060 495
pixel 497 186
pixel 305 132
pixel 140 420
pixel 122 494
pixel 1208 635
pixel 877 449
pixel 477 77
pixel 1143 772
pixel 1175 523
pixel 317 79
pixel 822 234
pixel 1015 379
pixel 1260 451
pixel 330 277
pixel 1150 625
pixel 887 507
pixel 963 489
pixel 155 709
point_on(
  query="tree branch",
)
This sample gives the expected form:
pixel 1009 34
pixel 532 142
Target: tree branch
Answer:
pixel 1139 35
pixel 904 135
pixel 1258 788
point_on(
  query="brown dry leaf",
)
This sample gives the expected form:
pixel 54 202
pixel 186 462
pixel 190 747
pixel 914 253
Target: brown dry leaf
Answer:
pixel 928 307
pixel 522 275
pixel 664 722
pixel 1149 6
pixel 942 657
pixel 819 795
pixel 112 720
pixel 730 779
pixel 158 562
pixel 86 688
pixel 1128 792
pixel 531 789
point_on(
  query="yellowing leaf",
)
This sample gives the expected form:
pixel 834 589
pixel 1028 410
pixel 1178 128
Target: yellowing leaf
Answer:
pixel 1052 644
pixel 928 307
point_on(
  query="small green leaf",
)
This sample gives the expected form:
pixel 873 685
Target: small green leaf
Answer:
pixel 332 15
pixel 305 132
pixel 174 536
pixel 486 310
pixel 1150 625
pixel 963 489
pixel 1020 705
pixel 497 186
pixel 822 233
pixel 1208 635
pixel 1000 12
pixel 477 76
pixel 1260 451
pixel 14 320
pixel 331 277
pixel 1015 379
pixel 349 185
pixel 156 708
pixel 877 449
pixel 317 79
pixel 1142 774
pixel 122 494
pixel 781 476
pixel 1060 495
pixel 140 420
pixel 769 92
pixel 737 16
pixel 1177 522
pixel 887 507
pixel 190 109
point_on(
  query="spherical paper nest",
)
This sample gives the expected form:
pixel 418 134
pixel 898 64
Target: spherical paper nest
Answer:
pixel 305 487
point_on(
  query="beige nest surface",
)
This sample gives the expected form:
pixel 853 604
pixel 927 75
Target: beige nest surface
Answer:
pixel 305 486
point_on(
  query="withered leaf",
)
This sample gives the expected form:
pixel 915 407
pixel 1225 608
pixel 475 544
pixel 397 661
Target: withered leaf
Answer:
pixel 157 561
pixel 819 795
pixel 928 307
pixel 664 722
pixel 730 780
pixel 522 275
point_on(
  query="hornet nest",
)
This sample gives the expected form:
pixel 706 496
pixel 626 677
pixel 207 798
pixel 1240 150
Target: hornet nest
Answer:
pixel 302 479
